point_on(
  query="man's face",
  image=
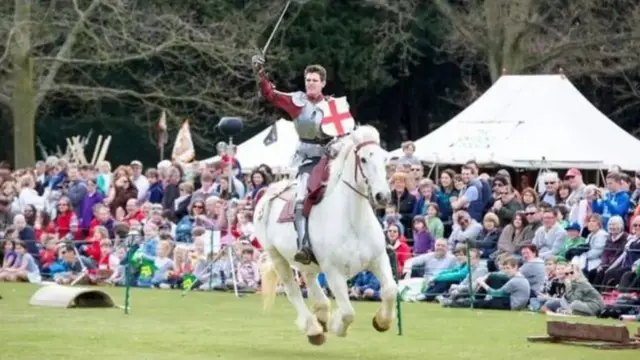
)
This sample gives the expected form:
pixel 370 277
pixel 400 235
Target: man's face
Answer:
pixel 464 221
pixel 68 255
pixel 137 170
pixel 313 84
pixel 509 270
pixel 441 247
pixel 74 174
pixel 549 219
pixel 417 171
pixel 533 214
pixel 574 181
pixel 409 150
pixel 466 175
pixel 551 185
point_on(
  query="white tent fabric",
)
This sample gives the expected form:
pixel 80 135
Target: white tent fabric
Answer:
pixel 531 121
pixel 277 155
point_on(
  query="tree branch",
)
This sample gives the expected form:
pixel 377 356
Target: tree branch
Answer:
pixel 65 49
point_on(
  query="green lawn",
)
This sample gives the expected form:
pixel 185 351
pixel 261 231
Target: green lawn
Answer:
pixel 162 325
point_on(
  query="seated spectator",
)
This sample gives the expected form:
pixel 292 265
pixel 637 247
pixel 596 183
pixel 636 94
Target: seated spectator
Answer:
pixel 461 290
pixel 64 217
pixel 534 221
pixel 155 191
pixel 132 212
pixel 434 222
pixel 513 295
pixel 162 265
pixel 580 298
pixel 423 241
pixel 102 218
pixel 43 225
pixel 77 267
pixel 442 281
pixel 391 217
pixel 630 260
pixel 27 235
pixel 399 245
pixel 574 240
pixel 49 253
pixel 93 248
pixel 551 184
pixel 487 241
pixel 248 274
pixel 24 267
pixel 554 287
pixel 432 263
pixel 532 268
pixel 464 229
pixel 506 204
pixel 616 201
pixel 9 254
pixel 550 238
pixel 613 248
pixel 151 238
pixel 512 237
pixel 596 240
pixel 365 286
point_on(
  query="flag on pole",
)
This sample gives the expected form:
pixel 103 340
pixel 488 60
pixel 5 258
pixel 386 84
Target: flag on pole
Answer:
pixel 187 281
pixel 162 130
pixel 183 149
pixel 272 136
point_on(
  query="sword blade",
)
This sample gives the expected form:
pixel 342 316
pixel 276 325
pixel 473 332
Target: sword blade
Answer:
pixel 275 28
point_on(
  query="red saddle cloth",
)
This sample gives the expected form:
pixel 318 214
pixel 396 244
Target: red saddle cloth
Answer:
pixel 316 187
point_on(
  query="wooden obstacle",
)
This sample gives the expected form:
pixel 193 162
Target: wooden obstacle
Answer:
pixel 71 297
pixel 606 337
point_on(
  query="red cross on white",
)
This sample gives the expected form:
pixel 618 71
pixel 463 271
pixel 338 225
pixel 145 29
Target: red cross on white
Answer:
pixel 337 119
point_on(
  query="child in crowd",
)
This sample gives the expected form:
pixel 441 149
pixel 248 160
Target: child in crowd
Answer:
pixel 365 286
pixel 423 241
pixel 8 246
pixel 48 254
pixel 434 224
pixel 248 274
pixel 24 267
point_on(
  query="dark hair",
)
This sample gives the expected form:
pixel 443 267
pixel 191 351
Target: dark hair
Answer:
pixel 316 69
pixel 522 216
pixel 265 179
pixel 531 247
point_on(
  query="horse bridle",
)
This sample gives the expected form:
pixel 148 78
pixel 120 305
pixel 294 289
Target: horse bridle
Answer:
pixel 358 169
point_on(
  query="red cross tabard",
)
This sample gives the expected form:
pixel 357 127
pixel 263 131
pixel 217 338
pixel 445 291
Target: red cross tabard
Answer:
pixel 342 121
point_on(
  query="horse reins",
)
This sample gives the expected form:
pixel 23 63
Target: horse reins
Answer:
pixel 358 168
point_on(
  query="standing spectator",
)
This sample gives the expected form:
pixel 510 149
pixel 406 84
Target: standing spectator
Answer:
pixel 402 199
pixel 615 202
pixel 402 250
pixel 104 178
pixel 122 192
pixel 76 190
pixel 28 195
pixel 206 190
pixel 155 191
pixel 408 149
pixel 447 195
pixel 473 197
pixel 140 181
pixel 171 191
pixel 551 184
pixel 577 186
pixel 91 198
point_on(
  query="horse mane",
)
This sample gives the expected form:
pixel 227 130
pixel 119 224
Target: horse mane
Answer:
pixel 360 135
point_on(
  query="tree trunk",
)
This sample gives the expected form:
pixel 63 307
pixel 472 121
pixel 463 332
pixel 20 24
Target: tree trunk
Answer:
pixel 23 100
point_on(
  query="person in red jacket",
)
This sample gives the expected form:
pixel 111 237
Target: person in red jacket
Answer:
pixel 92 249
pixel 64 217
pixel 133 212
pixel 48 254
pixel 43 225
pixel 399 244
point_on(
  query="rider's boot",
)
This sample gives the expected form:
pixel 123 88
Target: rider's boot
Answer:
pixel 304 254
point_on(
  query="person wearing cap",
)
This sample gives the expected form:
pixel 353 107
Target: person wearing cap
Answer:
pixel 139 180
pixel 574 178
pixel 574 241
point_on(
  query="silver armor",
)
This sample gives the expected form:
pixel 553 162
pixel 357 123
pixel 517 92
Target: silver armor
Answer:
pixel 307 125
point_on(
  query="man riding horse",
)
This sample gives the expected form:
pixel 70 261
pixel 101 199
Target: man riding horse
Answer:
pixel 307 110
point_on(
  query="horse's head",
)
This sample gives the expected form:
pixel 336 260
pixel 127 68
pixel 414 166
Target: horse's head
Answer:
pixel 370 163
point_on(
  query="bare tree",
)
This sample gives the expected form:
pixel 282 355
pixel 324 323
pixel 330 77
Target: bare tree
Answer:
pixel 585 37
pixel 163 53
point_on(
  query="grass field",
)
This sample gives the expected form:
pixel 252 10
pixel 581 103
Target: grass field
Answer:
pixel 162 325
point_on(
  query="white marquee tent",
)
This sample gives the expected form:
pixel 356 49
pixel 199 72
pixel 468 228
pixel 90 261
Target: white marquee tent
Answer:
pixel 531 121
pixel 277 155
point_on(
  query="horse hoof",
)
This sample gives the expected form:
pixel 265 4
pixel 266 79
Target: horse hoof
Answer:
pixel 377 326
pixel 324 326
pixel 316 340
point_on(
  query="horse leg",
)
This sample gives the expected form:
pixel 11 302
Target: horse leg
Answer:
pixel 345 314
pixel 321 305
pixel 384 317
pixel 306 321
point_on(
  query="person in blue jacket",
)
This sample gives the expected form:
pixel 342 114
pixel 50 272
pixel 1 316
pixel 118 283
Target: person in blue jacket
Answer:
pixel 615 203
pixel 365 286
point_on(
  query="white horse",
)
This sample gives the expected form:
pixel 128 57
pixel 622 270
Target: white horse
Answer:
pixel 345 235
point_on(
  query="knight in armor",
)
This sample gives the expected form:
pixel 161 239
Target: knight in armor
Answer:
pixel 307 117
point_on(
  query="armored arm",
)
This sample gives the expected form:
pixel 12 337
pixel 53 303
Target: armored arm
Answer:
pixel 282 101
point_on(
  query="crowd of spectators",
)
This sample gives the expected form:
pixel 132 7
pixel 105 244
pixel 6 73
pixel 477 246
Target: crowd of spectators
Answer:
pixel 555 245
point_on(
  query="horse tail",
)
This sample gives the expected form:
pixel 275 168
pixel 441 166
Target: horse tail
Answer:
pixel 269 280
